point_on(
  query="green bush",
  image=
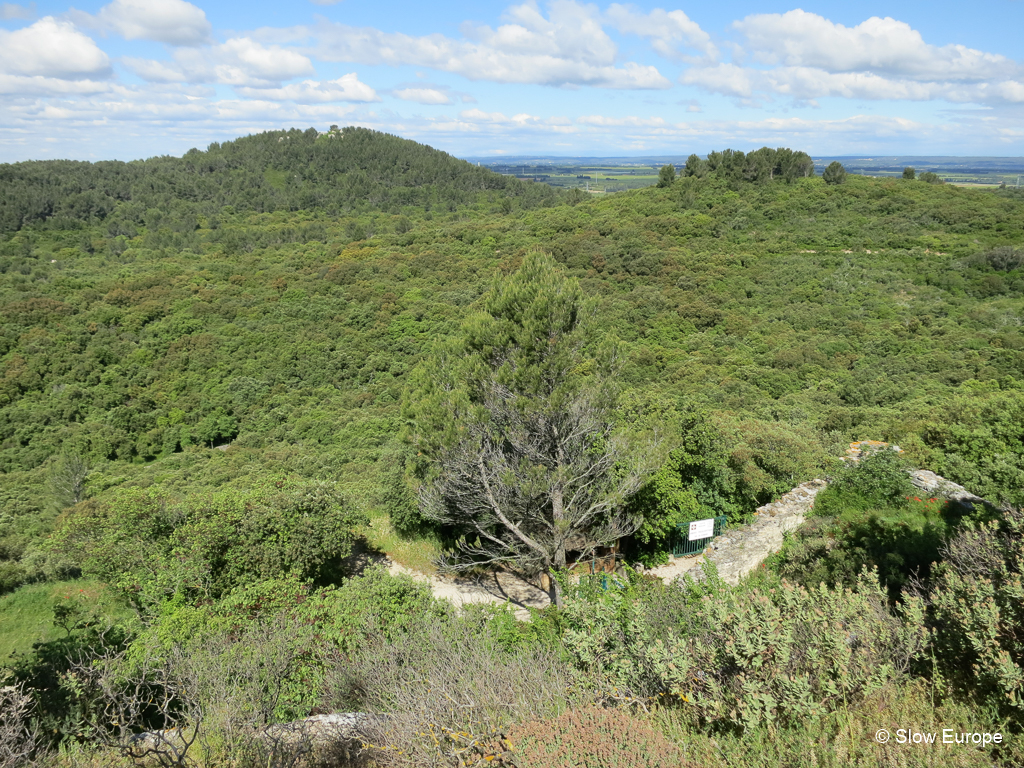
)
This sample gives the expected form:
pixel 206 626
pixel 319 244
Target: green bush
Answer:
pixel 977 606
pixel 153 547
pixel 879 479
pixel 835 173
pixel 901 544
pixel 379 603
pixel 789 654
pixel 742 659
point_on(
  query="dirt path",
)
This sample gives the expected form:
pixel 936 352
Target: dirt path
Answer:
pixel 675 567
pixel 498 587
pixel 504 587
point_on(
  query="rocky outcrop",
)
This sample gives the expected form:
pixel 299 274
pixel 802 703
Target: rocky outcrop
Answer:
pixel 320 740
pixel 937 486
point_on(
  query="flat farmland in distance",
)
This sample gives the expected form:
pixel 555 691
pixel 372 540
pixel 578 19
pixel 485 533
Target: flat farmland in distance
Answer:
pixel 613 174
pixel 594 178
pixel 962 171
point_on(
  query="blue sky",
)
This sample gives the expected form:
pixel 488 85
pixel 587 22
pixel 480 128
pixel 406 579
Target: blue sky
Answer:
pixel 136 78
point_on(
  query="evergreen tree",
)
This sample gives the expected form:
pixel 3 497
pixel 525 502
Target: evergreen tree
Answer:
pixel 667 175
pixel 515 431
pixel 835 173
pixel 695 166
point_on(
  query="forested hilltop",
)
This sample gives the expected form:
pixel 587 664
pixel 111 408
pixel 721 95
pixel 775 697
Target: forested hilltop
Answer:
pixel 336 172
pixel 221 373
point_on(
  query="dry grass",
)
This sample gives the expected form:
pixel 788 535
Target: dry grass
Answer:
pixel 447 694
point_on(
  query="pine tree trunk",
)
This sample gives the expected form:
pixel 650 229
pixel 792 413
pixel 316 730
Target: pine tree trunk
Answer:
pixel 558 513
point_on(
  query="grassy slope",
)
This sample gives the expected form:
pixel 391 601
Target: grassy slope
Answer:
pixel 26 615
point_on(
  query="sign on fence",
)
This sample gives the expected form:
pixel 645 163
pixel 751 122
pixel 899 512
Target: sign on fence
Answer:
pixel 702 529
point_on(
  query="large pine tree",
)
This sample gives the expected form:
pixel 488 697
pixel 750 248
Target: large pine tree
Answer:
pixel 515 427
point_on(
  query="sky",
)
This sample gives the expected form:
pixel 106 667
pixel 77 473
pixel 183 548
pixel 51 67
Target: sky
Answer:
pixel 136 78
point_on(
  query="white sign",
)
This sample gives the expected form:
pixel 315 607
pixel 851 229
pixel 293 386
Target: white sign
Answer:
pixel 702 529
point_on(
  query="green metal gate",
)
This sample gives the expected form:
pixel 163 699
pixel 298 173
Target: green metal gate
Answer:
pixel 682 546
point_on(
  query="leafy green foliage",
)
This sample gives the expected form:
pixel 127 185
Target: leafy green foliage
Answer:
pixel 377 602
pixel 190 329
pixel 870 516
pixel 153 547
pixel 278 170
pixel 739 658
pixel 901 544
pixel 879 479
pixel 665 504
pixel 722 466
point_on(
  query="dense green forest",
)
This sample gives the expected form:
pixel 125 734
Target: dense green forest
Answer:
pixel 210 365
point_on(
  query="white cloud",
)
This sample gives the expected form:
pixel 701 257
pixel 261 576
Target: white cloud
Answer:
pixel 154 71
pixel 809 57
pixel 175 22
pixel 806 83
pixel 51 48
pixel 572 31
pixel 476 122
pixel 667 30
pixel 722 78
pixel 15 11
pixel 885 46
pixel 633 122
pixel 345 88
pixel 773 131
pixel 423 95
pixel 567 49
pixel 243 59
pixel 240 62
pixel 37 85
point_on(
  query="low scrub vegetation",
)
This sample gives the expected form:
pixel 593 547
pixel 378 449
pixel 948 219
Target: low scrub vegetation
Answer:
pixel 230 381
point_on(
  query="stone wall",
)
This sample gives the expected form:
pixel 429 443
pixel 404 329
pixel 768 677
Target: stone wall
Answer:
pixel 740 550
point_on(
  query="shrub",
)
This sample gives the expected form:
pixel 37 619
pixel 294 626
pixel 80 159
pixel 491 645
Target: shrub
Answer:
pixel 977 605
pixel 448 692
pixel 152 547
pixel 740 659
pixel 400 504
pixel 788 654
pixel 381 603
pixel 17 737
pixel 879 479
pixel 213 697
pixel 901 544
pixel 1004 258
pixel 593 737
pixel 846 738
